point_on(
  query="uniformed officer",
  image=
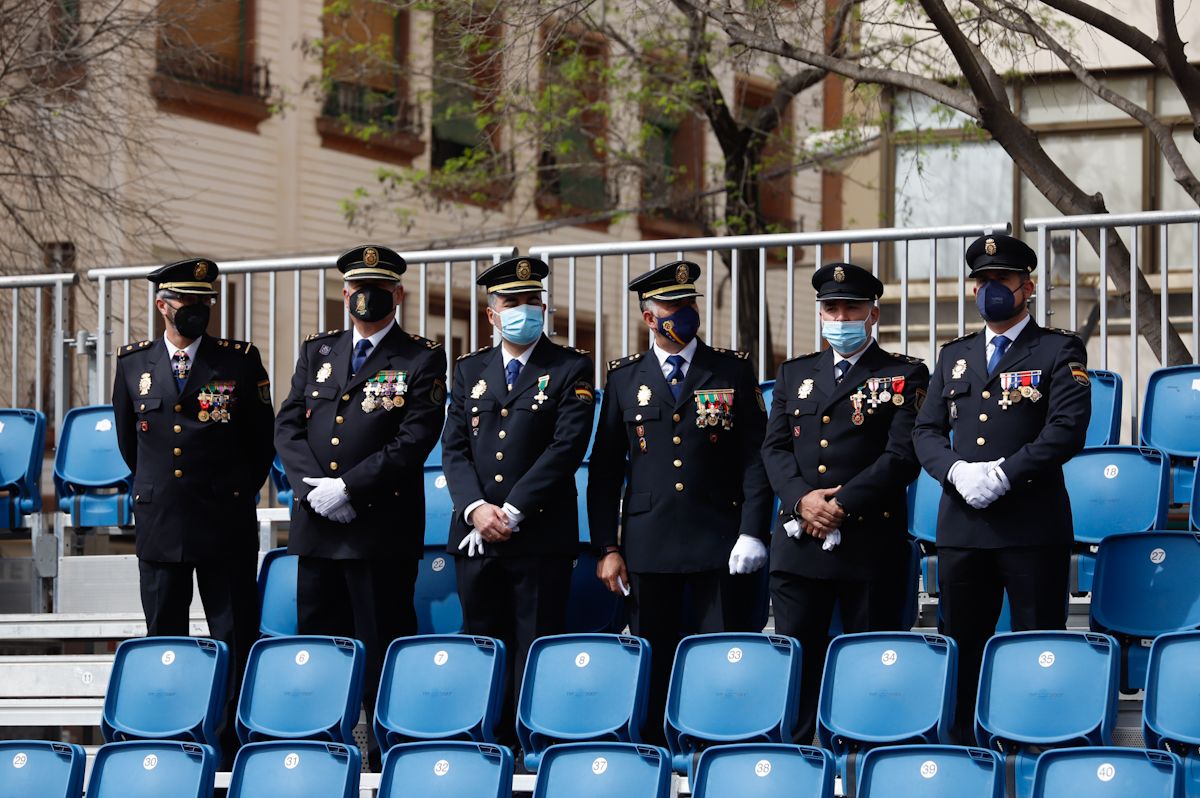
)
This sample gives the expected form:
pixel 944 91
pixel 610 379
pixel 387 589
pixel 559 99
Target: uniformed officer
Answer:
pixel 839 454
pixel 518 427
pixel 365 409
pixel 193 416
pixel 1017 398
pixel 677 464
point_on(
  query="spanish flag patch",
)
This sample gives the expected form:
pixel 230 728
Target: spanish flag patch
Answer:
pixel 584 393
pixel 1079 373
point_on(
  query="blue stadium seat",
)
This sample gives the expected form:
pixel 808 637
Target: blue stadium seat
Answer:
pixel 764 770
pixel 1171 422
pixel 603 770
pixel 1113 489
pixel 591 607
pixel 885 688
pixel 92 481
pixel 1145 585
pixel 283 488
pixel 152 769
pixel 440 687
pixel 296 769
pixel 924 498
pixel 1171 706
pixel 277 594
pixel 447 769
pixel 1041 690
pixel 1108 773
pixel 166 688
pixel 931 771
pixel 435 595
pixel 731 688
pixel 1104 428
pixel 582 687
pixel 299 687
pixel 768 392
pixel 22 446
pixel 439 508
pixel 41 769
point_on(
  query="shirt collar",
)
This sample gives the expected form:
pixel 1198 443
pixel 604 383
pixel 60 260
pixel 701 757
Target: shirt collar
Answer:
pixel 853 358
pixel 377 337
pixel 1011 333
pixel 523 357
pixel 688 352
pixel 190 349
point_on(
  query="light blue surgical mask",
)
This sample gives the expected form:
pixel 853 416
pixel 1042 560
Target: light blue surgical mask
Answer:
pixel 521 325
pixel 845 336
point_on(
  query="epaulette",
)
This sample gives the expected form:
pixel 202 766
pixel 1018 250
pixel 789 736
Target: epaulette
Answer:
pixel 425 341
pixel 732 353
pixel 237 346
pixel 325 334
pixel 1061 331
pixel 906 358
pixel 624 361
pixel 961 338
pixel 580 351
pixel 137 346
pixel 805 356
pixel 478 351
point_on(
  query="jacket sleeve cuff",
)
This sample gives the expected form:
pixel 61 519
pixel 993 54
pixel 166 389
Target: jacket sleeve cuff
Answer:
pixel 470 509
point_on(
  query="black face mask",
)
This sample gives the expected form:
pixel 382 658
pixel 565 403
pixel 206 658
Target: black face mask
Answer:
pixel 191 320
pixel 371 303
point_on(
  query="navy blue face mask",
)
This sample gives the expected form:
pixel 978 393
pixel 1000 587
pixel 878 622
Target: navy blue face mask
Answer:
pixel 996 302
pixel 681 326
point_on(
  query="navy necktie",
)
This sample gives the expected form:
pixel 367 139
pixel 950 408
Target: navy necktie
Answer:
pixel 675 378
pixel 1000 344
pixel 361 349
pixel 511 371
pixel 842 367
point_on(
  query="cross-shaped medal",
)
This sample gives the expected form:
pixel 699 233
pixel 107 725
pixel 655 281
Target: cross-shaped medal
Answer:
pixel 1005 402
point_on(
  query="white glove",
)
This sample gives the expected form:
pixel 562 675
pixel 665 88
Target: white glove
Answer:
pixel 327 494
pixel 999 480
pixel 792 528
pixel 748 555
pixel 832 540
pixel 515 517
pixel 473 543
pixel 975 483
pixel 343 514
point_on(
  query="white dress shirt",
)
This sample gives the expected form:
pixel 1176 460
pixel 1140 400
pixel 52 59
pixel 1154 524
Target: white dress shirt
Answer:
pixel 1011 334
pixel 190 349
pixel 688 353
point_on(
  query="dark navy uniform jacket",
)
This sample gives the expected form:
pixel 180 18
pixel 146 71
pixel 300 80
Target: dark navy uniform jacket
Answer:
pixel 812 442
pixel 521 446
pixel 194 481
pixel 1034 437
pixel 681 492
pixel 323 430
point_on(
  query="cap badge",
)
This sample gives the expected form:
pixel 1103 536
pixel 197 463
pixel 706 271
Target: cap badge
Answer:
pixel 989 246
pixel 839 275
pixel 370 256
pixel 201 270
pixel 523 270
pixel 681 274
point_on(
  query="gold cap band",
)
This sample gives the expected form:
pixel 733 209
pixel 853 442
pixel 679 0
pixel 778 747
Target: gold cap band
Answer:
pixel 185 287
pixel 529 284
pixel 369 272
pixel 668 290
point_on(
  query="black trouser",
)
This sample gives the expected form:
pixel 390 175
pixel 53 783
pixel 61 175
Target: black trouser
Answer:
pixel 368 600
pixel 656 614
pixel 515 600
pixel 971 585
pixel 804 609
pixel 229 593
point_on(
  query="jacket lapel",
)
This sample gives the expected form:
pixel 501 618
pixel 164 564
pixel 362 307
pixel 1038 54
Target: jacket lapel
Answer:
pixel 339 359
pixel 494 376
pixel 854 377
pixel 162 377
pixel 529 373
pixel 697 375
pixel 976 356
pixel 1019 349
pixel 389 344
pixel 201 371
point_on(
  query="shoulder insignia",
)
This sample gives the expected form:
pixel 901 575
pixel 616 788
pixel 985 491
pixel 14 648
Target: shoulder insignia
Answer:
pixel 237 346
pixel 325 334
pixel 578 350
pixel 427 343
pixel 624 361
pixel 481 350
pixel 136 346
pixel 961 338
pixel 906 358
pixel 805 356
pixel 1061 331
pixel 732 353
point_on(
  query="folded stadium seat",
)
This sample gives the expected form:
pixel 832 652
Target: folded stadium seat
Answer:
pixel 931 771
pixel 300 687
pixel 591 607
pixel 731 688
pixel 152 769
pixel 92 481
pixel 167 688
pixel 1108 773
pixel 1104 428
pixel 603 770
pixel 1040 690
pixel 277 593
pixel 435 595
pixel 764 770
pixel 1113 489
pixel 440 687
pixel 905 617
pixel 1171 422
pixel 22 445
pixel 582 687
pixel 884 688
pixel 1171 705
pixel 924 498
pixel 447 769
pixel 296 769
pixel 1145 585
pixel 283 488
pixel 41 768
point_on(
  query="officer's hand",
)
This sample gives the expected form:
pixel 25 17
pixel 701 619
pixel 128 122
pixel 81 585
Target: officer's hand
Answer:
pixel 747 556
pixel 611 571
pixel 343 514
pixel 492 523
pixel 473 542
pixel 326 494
pixel 818 532
pixel 818 508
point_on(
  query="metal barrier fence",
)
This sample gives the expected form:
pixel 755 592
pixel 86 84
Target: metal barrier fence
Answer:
pixel 30 289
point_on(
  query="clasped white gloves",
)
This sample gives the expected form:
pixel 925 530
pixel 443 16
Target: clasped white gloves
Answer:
pixel 793 530
pixel 979 484
pixel 747 556
pixel 327 496
pixel 473 543
pixel 832 540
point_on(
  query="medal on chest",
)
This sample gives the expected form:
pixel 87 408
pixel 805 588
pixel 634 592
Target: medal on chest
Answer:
pixel 386 389
pixel 714 406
